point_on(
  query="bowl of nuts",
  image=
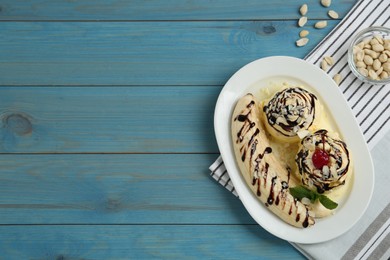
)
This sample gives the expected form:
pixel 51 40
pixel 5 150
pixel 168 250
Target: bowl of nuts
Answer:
pixel 369 55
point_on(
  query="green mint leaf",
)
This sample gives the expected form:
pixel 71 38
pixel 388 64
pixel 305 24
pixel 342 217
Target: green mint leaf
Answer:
pixel 315 197
pixel 301 192
pixel 327 203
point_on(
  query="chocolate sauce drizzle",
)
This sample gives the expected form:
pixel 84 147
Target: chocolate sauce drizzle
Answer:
pixel 247 125
pixel 271 198
pixel 260 171
pixel 295 119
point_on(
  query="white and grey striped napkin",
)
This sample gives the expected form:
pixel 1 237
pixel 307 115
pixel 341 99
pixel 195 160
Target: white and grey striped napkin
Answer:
pixel 370 238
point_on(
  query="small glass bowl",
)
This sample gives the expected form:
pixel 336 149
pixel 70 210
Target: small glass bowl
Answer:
pixel 367 33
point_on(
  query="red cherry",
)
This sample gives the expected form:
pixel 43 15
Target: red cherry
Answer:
pixel 320 158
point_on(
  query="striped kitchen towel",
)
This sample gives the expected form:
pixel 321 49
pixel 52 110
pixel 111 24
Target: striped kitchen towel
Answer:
pixel 370 238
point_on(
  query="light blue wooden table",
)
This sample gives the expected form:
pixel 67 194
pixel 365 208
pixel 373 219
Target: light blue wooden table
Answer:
pixel 106 125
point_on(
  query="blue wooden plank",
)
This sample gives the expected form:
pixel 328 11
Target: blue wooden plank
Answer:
pixel 164 10
pixel 142 242
pixel 108 119
pixel 114 189
pixel 141 53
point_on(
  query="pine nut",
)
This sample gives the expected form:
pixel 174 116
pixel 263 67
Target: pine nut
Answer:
pixel 374 41
pixel 378 47
pixel 363 71
pixel 302 21
pixel 326 3
pixel 367 46
pixel 384 75
pixel 337 79
pixel 386 45
pixel 356 49
pixel 383 57
pixel 379 38
pixel 372 74
pixel 367 40
pixel 304 33
pixel 368 60
pixel 329 60
pixel 376 64
pixel 303 9
pixel 361 45
pixel 361 64
pixel 332 14
pixel 360 55
pixel 379 71
pixel 302 42
pixel 372 53
pixel 386 66
pixel 321 24
pixel 324 65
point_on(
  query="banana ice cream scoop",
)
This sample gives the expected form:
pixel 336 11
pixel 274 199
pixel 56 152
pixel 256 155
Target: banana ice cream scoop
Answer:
pixel 265 174
pixel 289 112
pixel 322 161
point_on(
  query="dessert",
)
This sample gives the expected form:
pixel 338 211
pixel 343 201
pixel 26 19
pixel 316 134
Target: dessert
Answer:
pixel 289 154
pixel 290 112
pixel 322 161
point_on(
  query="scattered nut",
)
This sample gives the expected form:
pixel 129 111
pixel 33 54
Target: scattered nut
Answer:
pixel 359 55
pixel 376 64
pixel 333 14
pixel 371 53
pixel 324 65
pixel 361 45
pixel 329 60
pixel 302 21
pixel 326 3
pixel 379 38
pixel 367 46
pixel 386 45
pixel 383 57
pixel 363 71
pixel 372 74
pixel 368 60
pixel 386 66
pixel 361 64
pixel 303 9
pixel 356 49
pixel 379 71
pixel 304 33
pixel 384 75
pixel 374 41
pixel 367 40
pixel 377 47
pixel 321 24
pixel 337 78
pixel 302 42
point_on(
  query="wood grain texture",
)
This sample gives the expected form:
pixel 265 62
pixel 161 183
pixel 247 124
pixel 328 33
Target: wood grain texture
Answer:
pixel 163 10
pixel 142 53
pixel 142 242
pixel 108 119
pixel 114 189
pixel 106 125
